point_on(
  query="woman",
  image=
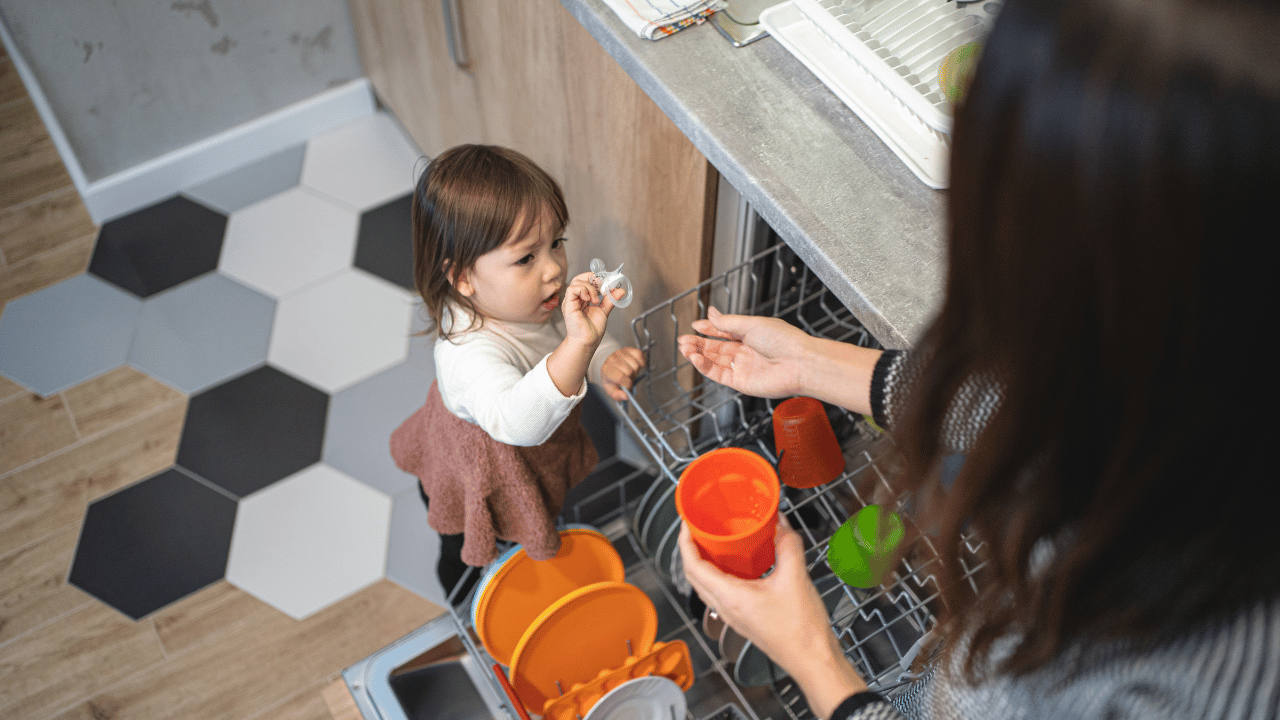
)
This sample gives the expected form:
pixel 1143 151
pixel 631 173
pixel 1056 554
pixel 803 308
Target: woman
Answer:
pixel 1100 356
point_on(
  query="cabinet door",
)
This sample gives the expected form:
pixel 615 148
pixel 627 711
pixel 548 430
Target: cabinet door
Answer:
pixel 404 49
pixel 638 191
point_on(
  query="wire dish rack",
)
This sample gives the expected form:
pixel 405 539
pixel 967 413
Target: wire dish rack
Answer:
pixel 881 58
pixel 676 418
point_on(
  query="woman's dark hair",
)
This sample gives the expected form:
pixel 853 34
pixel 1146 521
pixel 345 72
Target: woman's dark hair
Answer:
pixel 1115 179
pixel 468 201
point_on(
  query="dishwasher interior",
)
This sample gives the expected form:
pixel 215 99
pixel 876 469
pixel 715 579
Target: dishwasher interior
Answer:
pixel 676 416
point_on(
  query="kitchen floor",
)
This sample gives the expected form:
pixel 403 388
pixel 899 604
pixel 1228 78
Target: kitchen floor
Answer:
pixel 198 514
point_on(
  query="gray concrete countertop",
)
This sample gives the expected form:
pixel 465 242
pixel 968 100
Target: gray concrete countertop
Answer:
pixel 811 168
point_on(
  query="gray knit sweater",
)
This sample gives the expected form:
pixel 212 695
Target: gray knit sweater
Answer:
pixel 1227 669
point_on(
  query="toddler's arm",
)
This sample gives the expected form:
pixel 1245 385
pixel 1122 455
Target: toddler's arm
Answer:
pixel 482 381
pixel 586 316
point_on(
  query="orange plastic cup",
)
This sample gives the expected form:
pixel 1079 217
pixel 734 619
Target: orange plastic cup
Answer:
pixel 729 500
pixel 809 453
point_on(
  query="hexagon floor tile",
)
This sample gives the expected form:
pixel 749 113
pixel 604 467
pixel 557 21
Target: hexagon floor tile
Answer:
pixel 361 419
pixel 310 540
pixel 288 241
pixel 154 542
pixel 159 246
pixel 252 183
pixel 422 351
pixel 66 333
pixel 362 164
pixel 253 430
pixel 384 244
pixel 414 548
pixel 202 332
pixel 340 331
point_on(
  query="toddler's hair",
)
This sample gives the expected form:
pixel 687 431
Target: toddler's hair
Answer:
pixel 467 202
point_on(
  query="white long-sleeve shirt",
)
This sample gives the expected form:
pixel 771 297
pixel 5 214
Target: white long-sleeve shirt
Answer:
pixel 496 377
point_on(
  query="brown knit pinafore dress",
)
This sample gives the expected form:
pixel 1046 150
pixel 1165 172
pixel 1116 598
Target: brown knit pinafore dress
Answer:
pixel 489 490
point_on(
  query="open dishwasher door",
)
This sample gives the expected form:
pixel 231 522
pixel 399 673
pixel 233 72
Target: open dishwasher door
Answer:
pixel 430 674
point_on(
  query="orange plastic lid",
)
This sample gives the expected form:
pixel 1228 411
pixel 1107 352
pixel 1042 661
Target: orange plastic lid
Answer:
pixel 590 630
pixel 517 589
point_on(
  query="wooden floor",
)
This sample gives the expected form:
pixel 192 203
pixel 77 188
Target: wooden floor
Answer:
pixel 219 653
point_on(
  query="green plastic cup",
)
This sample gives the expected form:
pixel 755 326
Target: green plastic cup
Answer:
pixel 860 550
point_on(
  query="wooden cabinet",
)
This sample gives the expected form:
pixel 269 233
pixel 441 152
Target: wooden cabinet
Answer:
pixel 637 189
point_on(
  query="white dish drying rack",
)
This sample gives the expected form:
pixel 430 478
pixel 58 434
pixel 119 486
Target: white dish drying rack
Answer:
pixel 881 58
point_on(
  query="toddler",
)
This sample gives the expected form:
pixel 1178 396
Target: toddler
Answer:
pixel 499 441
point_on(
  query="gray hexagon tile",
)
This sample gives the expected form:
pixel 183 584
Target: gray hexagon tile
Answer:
pixel 361 419
pixel 421 347
pixel 287 242
pixel 340 331
pixel 252 183
pixel 66 333
pixel 202 332
pixel 309 540
pixel 362 164
pixel 414 548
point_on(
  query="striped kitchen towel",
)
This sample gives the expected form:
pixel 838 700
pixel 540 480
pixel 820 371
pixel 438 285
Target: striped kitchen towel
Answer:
pixel 655 19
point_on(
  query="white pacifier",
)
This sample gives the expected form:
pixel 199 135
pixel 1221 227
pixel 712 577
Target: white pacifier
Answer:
pixel 610 280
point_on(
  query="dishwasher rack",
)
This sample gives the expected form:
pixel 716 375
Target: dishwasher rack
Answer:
pixel 676 417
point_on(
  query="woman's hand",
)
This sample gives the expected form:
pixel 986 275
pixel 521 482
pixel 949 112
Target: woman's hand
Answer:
pixel 619 370
pixel 781 614
pixel 586 311
pixel 758 356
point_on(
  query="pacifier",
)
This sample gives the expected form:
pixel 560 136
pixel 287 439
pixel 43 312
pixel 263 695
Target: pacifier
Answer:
pixel 609 280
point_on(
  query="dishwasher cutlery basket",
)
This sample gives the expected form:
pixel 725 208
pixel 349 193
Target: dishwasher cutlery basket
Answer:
pixel 676 416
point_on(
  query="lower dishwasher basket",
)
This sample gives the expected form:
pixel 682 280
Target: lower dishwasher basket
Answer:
pixel 676 416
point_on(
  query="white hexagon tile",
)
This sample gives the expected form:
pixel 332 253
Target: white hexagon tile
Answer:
pixel 288 241
pixel 309 540
pixel 340 331
pixel 362 164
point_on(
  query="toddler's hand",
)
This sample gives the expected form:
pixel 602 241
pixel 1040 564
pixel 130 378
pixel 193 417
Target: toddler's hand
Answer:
pixel 619 370
pixel 586 314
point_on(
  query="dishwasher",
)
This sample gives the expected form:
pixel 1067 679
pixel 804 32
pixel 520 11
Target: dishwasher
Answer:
pixel 443 670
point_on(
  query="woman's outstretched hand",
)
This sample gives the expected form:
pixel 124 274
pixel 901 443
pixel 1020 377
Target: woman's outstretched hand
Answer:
pixel 758 356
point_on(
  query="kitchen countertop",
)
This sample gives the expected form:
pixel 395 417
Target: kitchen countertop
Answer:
pixel 808 165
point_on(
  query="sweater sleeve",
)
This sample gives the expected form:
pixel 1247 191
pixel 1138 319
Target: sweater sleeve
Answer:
pixel 480 383
pixel 897 373
pixel 866 705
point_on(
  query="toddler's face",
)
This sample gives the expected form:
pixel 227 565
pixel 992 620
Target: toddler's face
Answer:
pixel 523 280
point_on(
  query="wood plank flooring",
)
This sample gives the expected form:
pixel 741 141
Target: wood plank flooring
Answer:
pixel 218 653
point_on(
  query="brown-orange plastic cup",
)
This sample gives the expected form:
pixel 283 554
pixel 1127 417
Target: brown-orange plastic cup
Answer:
pixel 809 454
pixel 729 500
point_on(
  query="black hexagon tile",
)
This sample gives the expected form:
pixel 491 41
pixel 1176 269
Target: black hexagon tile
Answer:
pixel 154 542
pixel 159 246
pixel 384 246
pixel 253 430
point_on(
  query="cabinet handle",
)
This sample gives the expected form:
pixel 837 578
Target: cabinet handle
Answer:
pixel 453 31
